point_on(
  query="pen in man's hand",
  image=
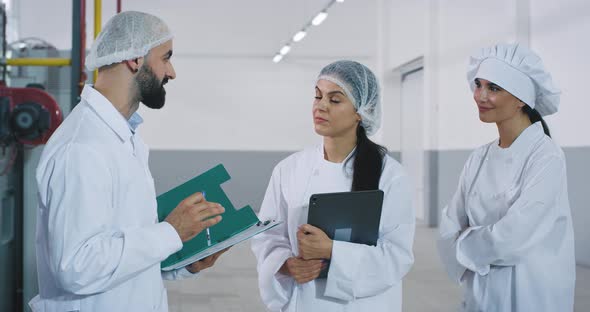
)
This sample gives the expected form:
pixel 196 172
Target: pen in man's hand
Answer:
pixel 207 230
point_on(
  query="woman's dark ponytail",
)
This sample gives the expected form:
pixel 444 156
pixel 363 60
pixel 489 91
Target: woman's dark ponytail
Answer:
pixel 368 162
pixel 534 116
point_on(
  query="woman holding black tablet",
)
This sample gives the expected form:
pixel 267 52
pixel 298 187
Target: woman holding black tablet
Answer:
pixel 291 256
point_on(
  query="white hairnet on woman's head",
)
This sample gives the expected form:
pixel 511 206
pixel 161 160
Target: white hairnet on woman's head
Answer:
pixel 126 36
pixel 361 87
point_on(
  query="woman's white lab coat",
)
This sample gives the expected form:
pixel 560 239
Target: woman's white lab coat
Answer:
pixel 361 277
pixel 507 233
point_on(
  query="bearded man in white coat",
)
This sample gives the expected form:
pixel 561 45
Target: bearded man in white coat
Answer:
pixel 99 242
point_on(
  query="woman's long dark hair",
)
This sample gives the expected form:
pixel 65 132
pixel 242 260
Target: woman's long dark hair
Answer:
pixel 368 162
pixel 534 116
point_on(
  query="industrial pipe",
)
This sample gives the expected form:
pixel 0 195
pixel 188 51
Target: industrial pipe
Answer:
pixel 97 25
pixel 39 62
pixel 78 46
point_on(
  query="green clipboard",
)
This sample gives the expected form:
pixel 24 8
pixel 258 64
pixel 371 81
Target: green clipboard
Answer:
pixel 236 225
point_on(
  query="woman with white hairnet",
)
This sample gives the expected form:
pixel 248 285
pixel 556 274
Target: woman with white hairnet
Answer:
pixel 360 277
pixel 507 233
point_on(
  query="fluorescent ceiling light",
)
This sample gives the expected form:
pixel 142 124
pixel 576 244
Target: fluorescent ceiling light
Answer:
pixel 318 19
pixel 277 58
pixel 300 35
pixel 285 49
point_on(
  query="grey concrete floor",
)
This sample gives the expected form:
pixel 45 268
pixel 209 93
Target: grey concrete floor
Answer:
pixel 231 285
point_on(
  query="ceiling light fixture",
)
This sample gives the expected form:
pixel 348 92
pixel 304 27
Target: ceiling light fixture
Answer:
pixel 285 49
pixel 277 58
pixel 316 21
pixel 299 35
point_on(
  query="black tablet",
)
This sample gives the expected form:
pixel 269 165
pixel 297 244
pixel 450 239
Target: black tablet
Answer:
pixel 347 216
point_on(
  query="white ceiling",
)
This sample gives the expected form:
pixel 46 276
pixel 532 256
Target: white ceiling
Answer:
pixel 226 27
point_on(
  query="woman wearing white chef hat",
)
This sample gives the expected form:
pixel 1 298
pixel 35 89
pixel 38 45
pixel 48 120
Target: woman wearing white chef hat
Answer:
pixel 507 233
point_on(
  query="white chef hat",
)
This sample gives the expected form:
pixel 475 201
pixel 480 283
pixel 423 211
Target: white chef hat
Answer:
pixel 519 71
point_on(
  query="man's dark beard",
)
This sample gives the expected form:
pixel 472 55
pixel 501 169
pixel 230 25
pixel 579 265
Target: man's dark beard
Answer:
pixel 151 90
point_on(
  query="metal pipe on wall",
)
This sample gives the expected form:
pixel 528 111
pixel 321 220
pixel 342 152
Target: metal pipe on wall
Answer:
pixel 18 182
pixel 97 25
pixel 77 13
pixel 39 62
pixel 83 76
pixel 97 17
pixel 4 41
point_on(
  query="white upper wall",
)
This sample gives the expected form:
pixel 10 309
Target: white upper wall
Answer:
pixel 404 31
pixel 464 26
pixel 444 34
pixel 52 20
pixel 454 30
pixel 229 95
pixel 560 33
pixel 408 21
pixel 235 104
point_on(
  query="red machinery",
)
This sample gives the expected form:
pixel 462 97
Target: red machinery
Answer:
pixel 27 116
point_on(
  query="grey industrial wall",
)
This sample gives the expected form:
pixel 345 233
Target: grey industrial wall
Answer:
pixel 251 171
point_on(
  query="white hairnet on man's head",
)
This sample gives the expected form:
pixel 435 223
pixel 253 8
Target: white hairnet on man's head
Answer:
pixel 126 36
pixel 361 87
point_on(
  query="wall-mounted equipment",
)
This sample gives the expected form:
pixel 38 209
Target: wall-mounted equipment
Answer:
pixel 28 116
